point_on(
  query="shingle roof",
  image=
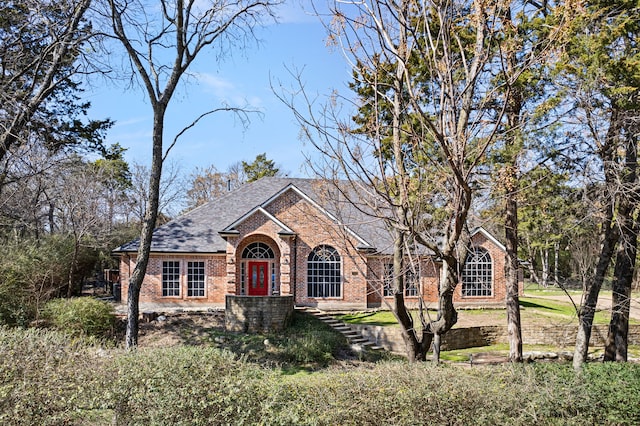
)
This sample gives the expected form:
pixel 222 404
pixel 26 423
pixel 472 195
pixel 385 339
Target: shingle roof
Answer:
pixel 198 230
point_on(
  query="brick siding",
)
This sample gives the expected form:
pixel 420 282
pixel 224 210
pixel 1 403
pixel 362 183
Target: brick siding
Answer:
pixel 362 274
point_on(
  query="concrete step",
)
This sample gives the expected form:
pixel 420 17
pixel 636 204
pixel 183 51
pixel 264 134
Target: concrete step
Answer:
pixel 356 340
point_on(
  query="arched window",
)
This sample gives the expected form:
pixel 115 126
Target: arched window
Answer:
pixel 324 278
pixel 477 275
pixel 257 251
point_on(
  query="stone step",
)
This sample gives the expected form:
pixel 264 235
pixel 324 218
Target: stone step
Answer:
pixel 356 340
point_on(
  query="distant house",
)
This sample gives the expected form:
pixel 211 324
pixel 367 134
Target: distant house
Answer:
pixel 282 236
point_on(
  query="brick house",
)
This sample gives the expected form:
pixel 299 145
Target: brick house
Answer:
pixel 285 236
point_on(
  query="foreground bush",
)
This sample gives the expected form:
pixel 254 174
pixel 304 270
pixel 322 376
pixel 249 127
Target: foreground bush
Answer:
pixel 49 379
pixel 34 271
pixel 81 316
pixel 58 383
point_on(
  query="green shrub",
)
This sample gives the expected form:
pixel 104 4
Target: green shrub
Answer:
pixel 81 316
pixel 15 309
pixel 309 340
pixel 49 379
pixel 34 271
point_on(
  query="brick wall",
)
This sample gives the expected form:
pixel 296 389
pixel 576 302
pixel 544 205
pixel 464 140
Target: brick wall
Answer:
pixel 361 276
pixel 151 290
pixel 430 279
pixel 313 228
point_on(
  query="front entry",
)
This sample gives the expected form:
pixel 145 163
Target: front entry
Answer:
pixel 258 278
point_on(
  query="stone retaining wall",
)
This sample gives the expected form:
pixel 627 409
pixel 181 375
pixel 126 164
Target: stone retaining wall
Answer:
pixel 257 314
pixel 562 336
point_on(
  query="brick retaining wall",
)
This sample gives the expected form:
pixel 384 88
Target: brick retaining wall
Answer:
pixel 562 336
pixel 253 314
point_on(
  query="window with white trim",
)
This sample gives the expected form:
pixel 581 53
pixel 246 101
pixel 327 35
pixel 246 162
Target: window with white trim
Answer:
pixel 195 279
pixel 170 278
pixel 324 275
pixel 257 251
pixel 387 281
pixel 410 283
pixel 477 275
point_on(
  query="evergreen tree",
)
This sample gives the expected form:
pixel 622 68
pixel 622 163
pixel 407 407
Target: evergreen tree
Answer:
pixel 259 168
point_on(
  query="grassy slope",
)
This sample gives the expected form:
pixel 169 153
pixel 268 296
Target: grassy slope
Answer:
pixel 532 308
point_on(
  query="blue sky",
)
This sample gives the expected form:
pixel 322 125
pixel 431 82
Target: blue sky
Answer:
pixel 298 42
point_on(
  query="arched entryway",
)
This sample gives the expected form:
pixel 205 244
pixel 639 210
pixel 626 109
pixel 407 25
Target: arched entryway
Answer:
pixel 259 270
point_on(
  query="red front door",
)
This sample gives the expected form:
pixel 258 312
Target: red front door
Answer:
pixel 258 278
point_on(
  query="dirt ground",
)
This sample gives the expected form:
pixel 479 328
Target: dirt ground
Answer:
pixel 179 328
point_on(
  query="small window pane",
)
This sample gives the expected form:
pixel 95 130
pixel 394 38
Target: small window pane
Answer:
pixel 411 283
pixel 170 278
pixel 257 251
pixel 195 279
pixel 387 284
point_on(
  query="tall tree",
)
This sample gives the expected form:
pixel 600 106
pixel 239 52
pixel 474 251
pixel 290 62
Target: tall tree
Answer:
pixel 171 192
pixel 41 48
pixel 601 65
pixel 546 212
pixel 259 168
pixel 423 74
pixel 161 48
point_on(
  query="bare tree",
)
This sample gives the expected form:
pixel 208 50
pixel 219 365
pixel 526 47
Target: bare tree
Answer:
pixel 172 192
pixel 162 40
pixel 424 84
pixel 205 185
pixel 78 206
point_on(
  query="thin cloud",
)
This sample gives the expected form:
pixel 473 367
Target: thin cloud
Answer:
pixel 226 91
pixel 297 13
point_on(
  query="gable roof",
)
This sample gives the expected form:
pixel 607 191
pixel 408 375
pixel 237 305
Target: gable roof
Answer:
pixel 201 230
pixel 198 231
pixel 489 236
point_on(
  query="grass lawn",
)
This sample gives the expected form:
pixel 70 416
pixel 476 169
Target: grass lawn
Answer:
pixel 532 309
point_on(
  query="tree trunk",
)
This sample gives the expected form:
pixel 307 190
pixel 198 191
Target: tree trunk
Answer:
pixel 514 327
pixel 609 238
pixel 617 337
pixel 514 101
pixel 447 314
pixel 416 348
pixel 556 261
pixel 146 234
pixel 544 258
pixel 73 266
